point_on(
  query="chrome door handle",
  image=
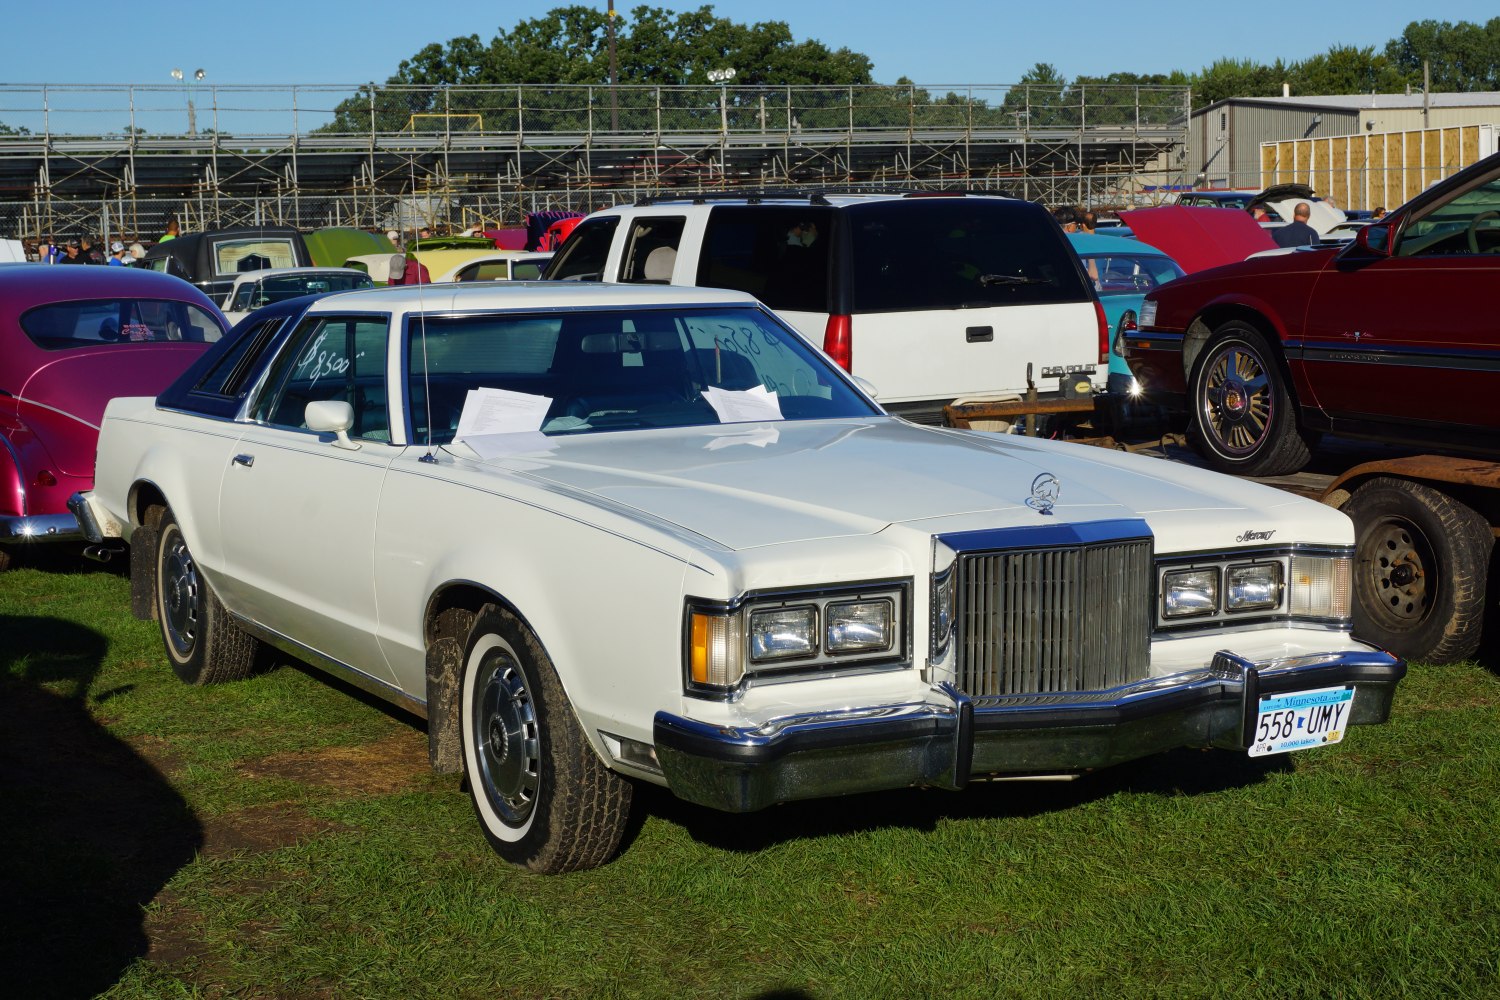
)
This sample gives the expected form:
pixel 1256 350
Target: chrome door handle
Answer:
pixel 245 460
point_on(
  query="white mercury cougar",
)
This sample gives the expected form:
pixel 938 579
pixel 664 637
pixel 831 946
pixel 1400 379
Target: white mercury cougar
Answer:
pixel 600 535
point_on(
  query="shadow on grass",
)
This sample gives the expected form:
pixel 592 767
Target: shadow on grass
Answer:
pixel 91 830
pixel 1180 772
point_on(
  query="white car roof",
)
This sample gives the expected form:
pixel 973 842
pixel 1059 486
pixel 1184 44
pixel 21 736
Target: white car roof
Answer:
pixel 524 295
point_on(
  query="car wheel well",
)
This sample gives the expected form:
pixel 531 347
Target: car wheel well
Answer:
pixel 1204 325
pixel 450 615
pixel 145 496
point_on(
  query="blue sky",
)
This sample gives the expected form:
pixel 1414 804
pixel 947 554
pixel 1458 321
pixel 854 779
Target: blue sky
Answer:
pixel 929 41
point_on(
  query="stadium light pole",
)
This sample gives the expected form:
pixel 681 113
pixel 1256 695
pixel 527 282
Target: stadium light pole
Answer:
pixel 188 82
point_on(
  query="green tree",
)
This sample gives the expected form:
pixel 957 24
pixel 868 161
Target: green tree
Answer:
pixel 1346 69
pixel 1462 57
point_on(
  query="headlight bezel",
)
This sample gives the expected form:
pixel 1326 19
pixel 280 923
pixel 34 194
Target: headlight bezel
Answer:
pixel 701 678
pixel 1329 567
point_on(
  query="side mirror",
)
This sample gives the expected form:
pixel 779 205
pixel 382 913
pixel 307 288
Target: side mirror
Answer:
pixel 331 416
pixel 1375 239
pixel 868 388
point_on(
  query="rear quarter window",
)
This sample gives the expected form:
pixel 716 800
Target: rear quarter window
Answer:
pixel 956 253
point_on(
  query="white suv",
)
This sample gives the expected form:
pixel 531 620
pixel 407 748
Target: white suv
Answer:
pixel 927 296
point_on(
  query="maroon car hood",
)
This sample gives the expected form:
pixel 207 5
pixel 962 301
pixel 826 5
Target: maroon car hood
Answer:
pixel 63 400
pixel 1199 238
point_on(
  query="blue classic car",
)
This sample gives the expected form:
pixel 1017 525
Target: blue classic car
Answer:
pixel 1123 271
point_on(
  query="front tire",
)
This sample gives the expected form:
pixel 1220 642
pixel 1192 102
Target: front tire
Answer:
pixel 1243 418
pixel 203 643
pixel 543 797
pixel 1420 564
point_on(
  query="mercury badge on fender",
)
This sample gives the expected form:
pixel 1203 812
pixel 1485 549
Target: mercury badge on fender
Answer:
pixel 602 535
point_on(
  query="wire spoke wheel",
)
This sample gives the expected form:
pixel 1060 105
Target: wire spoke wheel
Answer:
pixel 1238 404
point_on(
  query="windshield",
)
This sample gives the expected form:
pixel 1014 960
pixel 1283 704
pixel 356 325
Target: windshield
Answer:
pixel 254 294
pixel 1129 274
pixel 603 370
pixel 64 326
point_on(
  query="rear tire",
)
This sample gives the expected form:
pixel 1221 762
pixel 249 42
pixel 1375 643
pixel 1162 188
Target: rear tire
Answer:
pixel 203 643
pixel 1420 565
pixel 544 798
pixel 1243 417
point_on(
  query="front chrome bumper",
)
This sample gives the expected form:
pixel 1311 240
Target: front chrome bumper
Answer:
pixel 948 738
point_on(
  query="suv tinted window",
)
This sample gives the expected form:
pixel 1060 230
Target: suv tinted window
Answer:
pixel 583 255
pixel 951 253
pixel 778 254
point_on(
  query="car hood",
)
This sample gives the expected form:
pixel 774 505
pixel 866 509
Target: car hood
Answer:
pixel 1199 238
pixel 758 484
pixel 63 400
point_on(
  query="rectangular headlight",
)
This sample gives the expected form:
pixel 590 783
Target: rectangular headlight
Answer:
pixel 1256 587
pixel 860 626
pixel 1320 586
pixel 1186 593
pixel 1148 314
pixel 783 633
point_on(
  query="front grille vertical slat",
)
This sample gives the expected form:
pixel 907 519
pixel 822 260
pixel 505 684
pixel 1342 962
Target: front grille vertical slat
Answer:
pixel 1054 620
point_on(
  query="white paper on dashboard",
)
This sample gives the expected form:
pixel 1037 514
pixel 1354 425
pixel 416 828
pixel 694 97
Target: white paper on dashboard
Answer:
pixel 499 445
pixel 735 406
pixel 758 437
pixel 500 411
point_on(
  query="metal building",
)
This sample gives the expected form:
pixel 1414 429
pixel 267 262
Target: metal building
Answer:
pixel 1224 138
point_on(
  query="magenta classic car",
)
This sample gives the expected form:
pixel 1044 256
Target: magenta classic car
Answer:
pixel 71 339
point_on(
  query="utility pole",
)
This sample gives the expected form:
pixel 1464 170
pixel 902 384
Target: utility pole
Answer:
pixel 614 104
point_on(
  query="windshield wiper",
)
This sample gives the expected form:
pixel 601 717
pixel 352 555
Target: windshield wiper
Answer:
pixel 1010 279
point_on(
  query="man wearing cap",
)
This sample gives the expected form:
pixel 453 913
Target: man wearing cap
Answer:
pixel 116 254
pixel 71 254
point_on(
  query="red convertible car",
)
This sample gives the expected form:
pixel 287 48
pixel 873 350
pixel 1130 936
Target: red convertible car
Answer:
pixel 71 339
pixel 1392 338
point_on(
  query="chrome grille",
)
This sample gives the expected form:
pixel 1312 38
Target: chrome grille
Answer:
pixel 1069 618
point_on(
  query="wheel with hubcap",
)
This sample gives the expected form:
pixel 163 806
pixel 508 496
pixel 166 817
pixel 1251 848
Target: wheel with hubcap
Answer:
pixel 203 643
pixel 543 797
pixel 1244 420
pixel 1420 563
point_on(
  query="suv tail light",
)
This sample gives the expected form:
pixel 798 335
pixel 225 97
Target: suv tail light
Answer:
pixel 838 341
pixel 1103 332
pixel 1127 326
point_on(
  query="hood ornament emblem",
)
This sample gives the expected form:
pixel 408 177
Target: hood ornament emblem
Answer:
pixel 1045 489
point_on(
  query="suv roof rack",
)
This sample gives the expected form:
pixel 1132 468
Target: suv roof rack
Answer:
pixel 819 196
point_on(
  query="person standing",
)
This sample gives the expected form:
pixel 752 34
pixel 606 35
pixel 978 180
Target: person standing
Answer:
pixel 87 252
pixel 173 230
pixel 1297 233
pixel 117 255
pixel 71 254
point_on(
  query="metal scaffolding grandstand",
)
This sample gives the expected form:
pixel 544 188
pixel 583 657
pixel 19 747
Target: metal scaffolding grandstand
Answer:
pixel 122 159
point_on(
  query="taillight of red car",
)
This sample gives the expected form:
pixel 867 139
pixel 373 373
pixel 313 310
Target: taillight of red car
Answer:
pixel 838 341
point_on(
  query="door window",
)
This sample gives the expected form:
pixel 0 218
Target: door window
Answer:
pixel 651 253
pixel 331 358
pixel 1468 223
pixel 582 257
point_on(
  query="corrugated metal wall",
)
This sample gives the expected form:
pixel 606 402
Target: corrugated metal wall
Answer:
pixel 1224 142
pixel 1379 169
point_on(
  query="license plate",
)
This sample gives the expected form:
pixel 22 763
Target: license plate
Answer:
pixel 1301 719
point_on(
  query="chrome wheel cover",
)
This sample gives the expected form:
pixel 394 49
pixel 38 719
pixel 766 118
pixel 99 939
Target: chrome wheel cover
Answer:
pixel 1236 404
pixel 181 596
pixel 507 738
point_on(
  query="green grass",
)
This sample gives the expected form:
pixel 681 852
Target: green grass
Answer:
pixel 280 838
